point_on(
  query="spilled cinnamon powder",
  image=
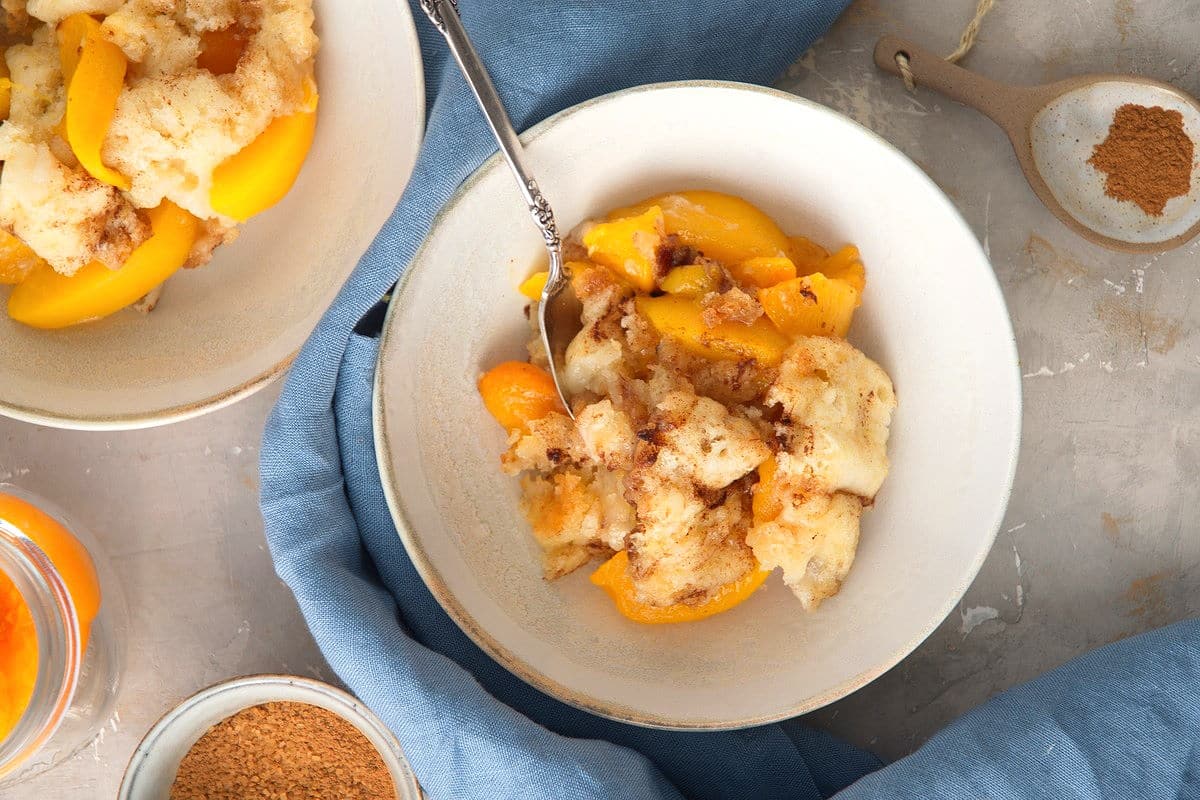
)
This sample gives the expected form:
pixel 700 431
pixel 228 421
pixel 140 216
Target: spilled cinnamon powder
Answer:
pixel 1147 157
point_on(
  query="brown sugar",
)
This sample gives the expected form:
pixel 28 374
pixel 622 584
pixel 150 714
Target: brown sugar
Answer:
pixel 1147 157
pixel 283 751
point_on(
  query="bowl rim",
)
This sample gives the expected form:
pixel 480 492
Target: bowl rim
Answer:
pixel 393 757
pixel 154 418
pixel 492 646
pixel 149 419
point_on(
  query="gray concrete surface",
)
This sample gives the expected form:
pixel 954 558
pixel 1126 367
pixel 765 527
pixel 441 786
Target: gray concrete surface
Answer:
pixel 176 511
pixel 1101 537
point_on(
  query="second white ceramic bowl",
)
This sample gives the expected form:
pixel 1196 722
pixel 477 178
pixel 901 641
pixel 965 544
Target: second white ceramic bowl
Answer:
pixel 933 316
pixel 223 331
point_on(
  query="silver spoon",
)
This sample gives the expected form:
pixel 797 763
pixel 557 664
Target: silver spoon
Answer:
pixel 558 313
pixel 1054 129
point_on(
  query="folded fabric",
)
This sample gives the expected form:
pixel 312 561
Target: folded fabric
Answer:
pixel 1122 722
pixel 1119 723
pixel 471 729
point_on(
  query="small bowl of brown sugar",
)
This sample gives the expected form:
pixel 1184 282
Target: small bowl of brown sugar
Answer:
pixel 274 736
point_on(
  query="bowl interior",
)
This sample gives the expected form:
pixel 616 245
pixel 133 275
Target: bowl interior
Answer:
pixel 933 317
pixel 156 761
pixel 225 329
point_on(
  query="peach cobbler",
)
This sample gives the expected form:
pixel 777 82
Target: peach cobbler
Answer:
pixel 723 425
pixel 136 135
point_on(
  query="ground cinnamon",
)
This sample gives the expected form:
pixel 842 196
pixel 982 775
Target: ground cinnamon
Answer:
pixel 1147 157
pixel 290 751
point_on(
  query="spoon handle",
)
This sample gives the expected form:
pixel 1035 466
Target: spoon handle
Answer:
pixel 444 15
pixel 559 309
pixel 1010 107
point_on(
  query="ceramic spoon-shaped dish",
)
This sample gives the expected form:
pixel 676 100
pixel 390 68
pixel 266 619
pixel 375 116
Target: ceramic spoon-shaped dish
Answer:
pixel 1054 129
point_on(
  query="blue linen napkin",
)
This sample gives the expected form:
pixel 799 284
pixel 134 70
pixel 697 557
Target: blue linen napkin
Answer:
pixel 1120 723
pixel 471 729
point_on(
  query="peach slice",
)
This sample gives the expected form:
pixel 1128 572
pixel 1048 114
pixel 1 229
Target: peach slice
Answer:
pixel 807 255
pixel 96 69
pixel 533 286
pixel 17 259
pixel 516 392
pixel 691 280
pixel 629 246
pixel 719 225
pixel 72 32
pixel 256 178
pixel 613 577
pixel 5 86
pixel 49 300
pixel 846 265
pixel 763 272
pixel 765 504
pixel 681 318
pixel 813 305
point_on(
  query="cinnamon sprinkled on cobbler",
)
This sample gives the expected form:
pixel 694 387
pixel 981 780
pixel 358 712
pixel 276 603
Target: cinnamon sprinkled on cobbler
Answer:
pixel 723 426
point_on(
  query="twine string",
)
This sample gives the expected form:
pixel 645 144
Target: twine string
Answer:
pixel 965 43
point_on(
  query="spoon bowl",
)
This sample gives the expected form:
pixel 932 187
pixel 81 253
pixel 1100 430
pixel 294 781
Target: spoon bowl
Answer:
pixel 1055 129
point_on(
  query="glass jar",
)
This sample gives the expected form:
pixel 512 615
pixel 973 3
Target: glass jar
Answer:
pixel 79 665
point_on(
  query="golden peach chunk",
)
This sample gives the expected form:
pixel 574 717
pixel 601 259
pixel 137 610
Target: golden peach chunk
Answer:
pixel 721 226
pixel 764 271
pixel 45 299
pixel 629 246
pixel 681 318
pixel 260 174
pixel 846 265
pixel 533 286
pixel 94 69
pixel 692 280
pixel 807 255
pixel 17 259
pixel 813 305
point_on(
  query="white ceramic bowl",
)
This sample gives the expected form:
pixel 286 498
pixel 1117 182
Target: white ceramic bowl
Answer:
pixel 225 330
pixel 933 317
pixel 152 768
